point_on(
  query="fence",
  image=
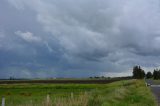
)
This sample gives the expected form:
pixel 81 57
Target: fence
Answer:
pixel 3 101
pixel 47 100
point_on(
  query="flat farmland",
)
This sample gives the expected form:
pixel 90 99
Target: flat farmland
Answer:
pixel 118 93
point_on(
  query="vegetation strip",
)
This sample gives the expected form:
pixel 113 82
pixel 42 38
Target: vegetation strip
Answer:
pixel 120 93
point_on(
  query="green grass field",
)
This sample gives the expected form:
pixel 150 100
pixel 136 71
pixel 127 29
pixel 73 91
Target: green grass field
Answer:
pixel 120 93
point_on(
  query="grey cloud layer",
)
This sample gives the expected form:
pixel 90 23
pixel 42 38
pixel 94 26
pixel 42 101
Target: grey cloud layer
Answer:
pixel 99 25
pixel 93 36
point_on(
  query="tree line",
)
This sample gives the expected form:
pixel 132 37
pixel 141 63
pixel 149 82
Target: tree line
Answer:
pixel 139 73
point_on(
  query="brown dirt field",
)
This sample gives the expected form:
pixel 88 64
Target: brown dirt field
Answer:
pixel 61 81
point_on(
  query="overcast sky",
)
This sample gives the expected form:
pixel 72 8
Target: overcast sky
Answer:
pixel 78 38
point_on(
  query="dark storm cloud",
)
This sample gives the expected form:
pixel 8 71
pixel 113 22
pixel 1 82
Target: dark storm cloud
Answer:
pixel 78 38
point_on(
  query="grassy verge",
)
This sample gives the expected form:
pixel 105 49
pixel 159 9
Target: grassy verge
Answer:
pixel 120 93
pixel 157 82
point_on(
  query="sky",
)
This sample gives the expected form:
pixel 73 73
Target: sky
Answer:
pixel 78 38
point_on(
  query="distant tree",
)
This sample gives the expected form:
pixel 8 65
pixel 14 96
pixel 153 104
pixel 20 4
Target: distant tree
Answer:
pixel 156 74
pixel 149 75
pixel 96 77
pixel 142 74
pixel 138 73
pixel 135 71
pixel 102 77
pixel 11 78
